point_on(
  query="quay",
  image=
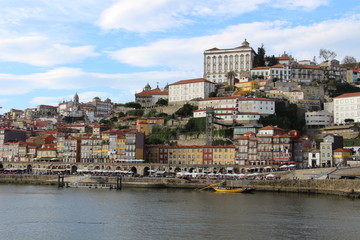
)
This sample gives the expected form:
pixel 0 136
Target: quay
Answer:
pixel 290 182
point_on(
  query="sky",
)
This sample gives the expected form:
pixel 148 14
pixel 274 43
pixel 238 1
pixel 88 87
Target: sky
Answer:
pixel 52 49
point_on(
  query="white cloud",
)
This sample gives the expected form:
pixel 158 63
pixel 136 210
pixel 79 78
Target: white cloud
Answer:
pixel 40 51
pixel 300 4
pixel 76 79
pixel 304 42
pixel 161 15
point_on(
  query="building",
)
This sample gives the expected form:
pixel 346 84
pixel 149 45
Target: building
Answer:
pixel 278 72
pixel 306 73
pixel 145 125
pixel 185 155
pixel 149 97
pixel 333 70
pixel 219 62
pixel 347 106
pixel 341 156
pixel 330 142
pixel 191 89
pixel 271 145
pixel 263 106
pixel 318 119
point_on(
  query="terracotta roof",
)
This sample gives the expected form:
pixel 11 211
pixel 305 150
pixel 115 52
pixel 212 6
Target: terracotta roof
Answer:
pixel 278 66
pixel 342 150
pixel 218 98
pixel 311 66
pixel 191 81
pixel 283 58
pixel 355 94
pixel 156 91
pixel 255 99
pixel 259 68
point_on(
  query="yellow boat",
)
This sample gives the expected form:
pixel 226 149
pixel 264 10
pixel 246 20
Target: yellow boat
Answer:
pixel 230 190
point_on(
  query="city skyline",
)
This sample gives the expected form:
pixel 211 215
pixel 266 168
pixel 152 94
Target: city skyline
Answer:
pixel 112 49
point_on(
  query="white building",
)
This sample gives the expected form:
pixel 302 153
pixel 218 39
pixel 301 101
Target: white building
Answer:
pixel 263 106
pixel 280 71
pixel 218 62
pixel 318 119
pixel 186 90
pixel 347 106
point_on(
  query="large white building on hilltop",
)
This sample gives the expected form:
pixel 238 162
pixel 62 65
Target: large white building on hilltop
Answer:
pixel 186 90
pixel 347 106
pixel 218 62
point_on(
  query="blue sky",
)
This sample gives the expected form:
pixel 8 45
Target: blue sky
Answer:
pixel 52 49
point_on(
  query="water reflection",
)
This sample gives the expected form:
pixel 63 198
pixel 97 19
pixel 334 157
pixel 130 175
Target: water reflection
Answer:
pixel 39 212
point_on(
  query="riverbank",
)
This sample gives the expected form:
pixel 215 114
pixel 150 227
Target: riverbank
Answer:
pixel 343 187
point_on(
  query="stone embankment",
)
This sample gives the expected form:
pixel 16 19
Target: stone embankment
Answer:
pixel 350 188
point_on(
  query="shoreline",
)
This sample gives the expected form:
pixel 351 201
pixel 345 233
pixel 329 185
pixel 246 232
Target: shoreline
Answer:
pixel 343 187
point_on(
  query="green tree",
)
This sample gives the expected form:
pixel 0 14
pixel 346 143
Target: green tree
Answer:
pixel 121 114
pixel 212 94
pixel 259 59
pixel 162 102
pixel 136 112
pixel 135 105
pixel 186 110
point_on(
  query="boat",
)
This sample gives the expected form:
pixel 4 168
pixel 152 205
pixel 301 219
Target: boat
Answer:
pixel 232 189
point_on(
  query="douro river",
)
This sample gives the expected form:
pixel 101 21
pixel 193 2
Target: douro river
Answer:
pixel 49 213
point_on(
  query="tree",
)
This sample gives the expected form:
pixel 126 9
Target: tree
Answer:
pixel 136 112
pixel 212 94
pixel 349 59
pixel 186 110
pixel 162 102
pixel 259 59
pixel 327 54
pixel 135 105
pixel 121 114
pixel 271 61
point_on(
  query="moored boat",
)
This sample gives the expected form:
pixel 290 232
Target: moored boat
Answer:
pixel 232 189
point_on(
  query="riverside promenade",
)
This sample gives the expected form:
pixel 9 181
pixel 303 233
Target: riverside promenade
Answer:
pixel 340 187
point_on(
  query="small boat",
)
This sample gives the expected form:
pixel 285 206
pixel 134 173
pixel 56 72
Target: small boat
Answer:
pixel 232 189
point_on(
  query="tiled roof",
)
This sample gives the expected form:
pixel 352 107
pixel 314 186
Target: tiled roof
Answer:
pixel 255 99
pixel 260 68
pixel 218 98
pixel 156 91
pixel 190 81
pixel 342 150
pixel 355 94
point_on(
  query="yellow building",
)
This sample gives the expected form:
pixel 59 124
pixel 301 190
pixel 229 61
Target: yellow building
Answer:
pixel 145 125
pixel 247 86
pixel 341 156
pixel 204 155
pixel 47 152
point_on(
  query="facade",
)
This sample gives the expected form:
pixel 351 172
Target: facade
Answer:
pixel 263 106
pixel 149 97
pixel 333 70
pixel 329 143
pixel 219 62
pixel 318 119
pixel 186 90
pixel 271 145
pixel 145 125
pixel 306 73
pixel 341 156
pixel 204 155
pixel 280 72
pixel 347 106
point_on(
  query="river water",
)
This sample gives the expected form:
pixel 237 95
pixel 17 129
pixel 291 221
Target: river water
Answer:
pixel 46 213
